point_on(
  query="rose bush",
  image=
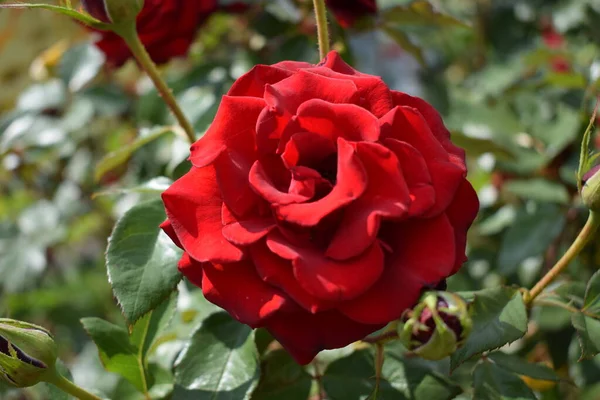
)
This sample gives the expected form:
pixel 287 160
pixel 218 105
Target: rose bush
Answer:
pixel 166 27
pixel 348 11
pixel 320 203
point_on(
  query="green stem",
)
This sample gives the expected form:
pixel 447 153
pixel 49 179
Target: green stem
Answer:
pixel 582 239
pixel 322 29
pixel 69 387
pixel 379 360
pixel 129 34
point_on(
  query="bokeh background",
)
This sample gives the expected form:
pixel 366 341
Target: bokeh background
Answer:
pixel 515 80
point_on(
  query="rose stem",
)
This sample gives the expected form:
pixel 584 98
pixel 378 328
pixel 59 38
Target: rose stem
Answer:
pixel 322 30
pixel 582 239
pixel 129 34
pixel 69 387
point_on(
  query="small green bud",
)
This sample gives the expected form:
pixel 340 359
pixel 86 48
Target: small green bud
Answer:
pixel 437 326
pixel 590 193
pixel 113 11
pixel 27 353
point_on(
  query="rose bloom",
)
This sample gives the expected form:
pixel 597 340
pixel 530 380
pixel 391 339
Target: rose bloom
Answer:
pixel 347 12
pixel 320 204
pixel 167 28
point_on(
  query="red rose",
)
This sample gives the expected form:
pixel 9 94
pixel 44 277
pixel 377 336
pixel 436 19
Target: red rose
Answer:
pixel 166 27
pixel 348 11
pixel 320 203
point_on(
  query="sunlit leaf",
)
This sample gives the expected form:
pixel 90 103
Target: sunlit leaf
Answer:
pixel 499 317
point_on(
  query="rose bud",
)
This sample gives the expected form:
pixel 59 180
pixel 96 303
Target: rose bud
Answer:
pixel 113 11
pixel 27 353
pixel 437 326
pixel 347 12
pixel 590 193
pixel 320 203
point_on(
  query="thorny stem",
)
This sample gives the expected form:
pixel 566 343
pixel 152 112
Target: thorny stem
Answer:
pixel 129 34
pixel 322 29
pixel 582 239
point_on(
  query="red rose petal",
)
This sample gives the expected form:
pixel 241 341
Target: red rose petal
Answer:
pixel 233 135
pixel 374 94
pixel 336 63
pixel 168 229
pixel 461 213
pixel 230 143
pixel 292 65
pixel 245 233
pixel 279 272
pixel 348 121
pixel 193 204
pixel 435 122
pixel 326 278
pixel 227 216
pixel 416 173
pixel 304 335
pixel 307 148
pixel 237 288
pixel 351 184
pixel 253 82
pixel 406 124
pixel 424 254
pixel 191 269
pixel 288 94
pixel 262 183
pixel 387 196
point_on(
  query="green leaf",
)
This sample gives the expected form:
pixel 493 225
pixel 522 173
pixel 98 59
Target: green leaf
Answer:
pixel 478 146
pixel 404 41
pixel 79 65
pixel 494 383
pixel 588 331
pixel 116 158
pixel 117 353
pixel 499 317
pixel 419 12
pixel 146 331
pixel 538 189
pixel 521 367
pixel 282 378
pixel 127 354
pixel 591 301
pixel 69 12
pixel 353 378
pixel 221 359
pixel 141 260
pixel 530 237
pixel 154 186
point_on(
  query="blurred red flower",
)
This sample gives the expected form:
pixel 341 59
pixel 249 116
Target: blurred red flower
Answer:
pixel 167 28
pixel 347 12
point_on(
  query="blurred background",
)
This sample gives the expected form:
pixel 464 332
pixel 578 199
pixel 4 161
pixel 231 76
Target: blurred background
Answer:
pixel 515 81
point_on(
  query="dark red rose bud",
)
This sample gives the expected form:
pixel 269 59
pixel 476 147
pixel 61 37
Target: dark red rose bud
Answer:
pixel 437 326
pixel 347 12
pixel 97 9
